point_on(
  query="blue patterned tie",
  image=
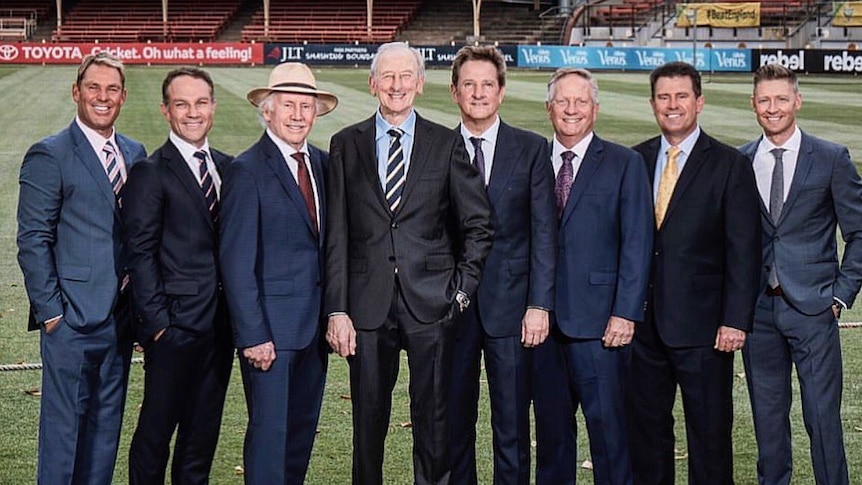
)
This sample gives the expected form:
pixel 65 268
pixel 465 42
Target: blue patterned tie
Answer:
pixel 395 172
pixel 207 185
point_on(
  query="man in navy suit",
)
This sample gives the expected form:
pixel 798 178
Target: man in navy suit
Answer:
pixel 171 220
pixel 703 287
pixel 807 186
pixel 602 273
pixel 273 216
pixel 509 316
pixel 70 251
pixel 407 240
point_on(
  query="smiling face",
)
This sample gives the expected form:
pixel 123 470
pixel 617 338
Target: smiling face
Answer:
pixel 99 96
pixel 676 107
pixel 190 109
pixel 775 103
pixel 572 110
pixel 290 116
pixel 478 95
pixel 396 84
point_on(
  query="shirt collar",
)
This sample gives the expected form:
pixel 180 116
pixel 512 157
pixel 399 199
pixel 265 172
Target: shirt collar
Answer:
pixel 186 149
pixel 792 144
pixel 686 146
pixel 580 147
pixel 97 141
pixel 490 135
pixel 286 150
pixel 382 126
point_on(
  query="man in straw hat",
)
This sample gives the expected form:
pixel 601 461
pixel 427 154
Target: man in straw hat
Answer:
pixel 407 237
pixel 272 214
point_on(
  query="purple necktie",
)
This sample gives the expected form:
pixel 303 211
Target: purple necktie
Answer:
pixel 565 177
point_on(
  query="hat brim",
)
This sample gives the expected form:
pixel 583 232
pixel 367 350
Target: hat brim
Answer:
pixel 326 101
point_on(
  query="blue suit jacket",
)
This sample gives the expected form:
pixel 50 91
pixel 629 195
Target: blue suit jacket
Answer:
pixel 69 229
pixel 605 242
pixel 519 271
pixel 271 258
pixel 826 190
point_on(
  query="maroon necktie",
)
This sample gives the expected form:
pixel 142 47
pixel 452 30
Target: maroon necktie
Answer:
pixel 304 180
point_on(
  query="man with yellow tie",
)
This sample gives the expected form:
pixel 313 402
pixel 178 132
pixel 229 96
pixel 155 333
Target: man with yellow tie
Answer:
pixel 702 292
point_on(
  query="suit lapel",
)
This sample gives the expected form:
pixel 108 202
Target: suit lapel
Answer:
pixel 178 166
pixel 91 162
pixel 696 159
pixel 317 173
pixel 750 151
pixel 588 168
pixel 418 160
pixel 506 156
pixel 804 162
pixel 366 149
pixel 277 163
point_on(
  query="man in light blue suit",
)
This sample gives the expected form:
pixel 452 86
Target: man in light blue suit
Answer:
pixel 70 250
pixel 807 186
pixel 605 246
pixel 272 231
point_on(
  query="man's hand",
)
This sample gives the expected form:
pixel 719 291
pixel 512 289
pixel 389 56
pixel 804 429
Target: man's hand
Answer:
pixel 341 335
pixel 534 327
pixel 619 332
pixel 260 356
pixel 51 325
pixel 729 339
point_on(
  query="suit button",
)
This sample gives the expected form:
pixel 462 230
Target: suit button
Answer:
pixel 391 258
pixel 394 225
pixel 657 253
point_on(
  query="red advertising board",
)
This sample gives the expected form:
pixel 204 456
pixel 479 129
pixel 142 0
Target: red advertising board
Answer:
pixel 224 53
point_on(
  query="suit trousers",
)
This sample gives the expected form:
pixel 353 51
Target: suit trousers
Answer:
pixel 84 378
pixel 185 381
pixel 704 376
pixel 373 374
pixel 556 446
pixel 283 410
pixel 508 367
pixel 784 337
pixel 597 379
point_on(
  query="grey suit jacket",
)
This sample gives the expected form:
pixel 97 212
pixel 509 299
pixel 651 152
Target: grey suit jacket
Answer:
pixel 69 229
pixel 826 191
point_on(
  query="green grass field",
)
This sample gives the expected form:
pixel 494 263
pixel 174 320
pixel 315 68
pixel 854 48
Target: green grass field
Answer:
pixel 36 101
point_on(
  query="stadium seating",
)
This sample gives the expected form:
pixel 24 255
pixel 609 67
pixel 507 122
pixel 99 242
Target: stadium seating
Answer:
pixel 320 21
pixel 18 18
pixel 141 20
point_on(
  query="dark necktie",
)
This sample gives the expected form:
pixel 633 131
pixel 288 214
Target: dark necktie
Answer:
pixel 207 185
pixel 112 167
pixel 479 158
pixel 776 192
pixel 304 180
pixel 565 177
pixel 395 173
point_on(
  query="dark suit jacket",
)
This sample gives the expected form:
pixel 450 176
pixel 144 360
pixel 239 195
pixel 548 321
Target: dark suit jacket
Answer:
pixel 437 239
pixel 826 191
pixel 172 246
pixel 69 230
pixel 706 262
pixel 270 255
pixel 606 238
pixel 519 271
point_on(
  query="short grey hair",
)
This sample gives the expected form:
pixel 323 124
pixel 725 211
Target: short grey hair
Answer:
pixel 399 46
pixel 570 71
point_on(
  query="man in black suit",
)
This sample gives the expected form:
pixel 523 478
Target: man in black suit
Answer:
pixel 510 314
pixel 171 219
pixel 408 233
pixel 704 282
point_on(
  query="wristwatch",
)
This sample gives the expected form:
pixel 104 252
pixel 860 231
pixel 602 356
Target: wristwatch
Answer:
pixel 463 300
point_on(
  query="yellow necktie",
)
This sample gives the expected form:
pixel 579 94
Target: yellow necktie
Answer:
pixel 669 176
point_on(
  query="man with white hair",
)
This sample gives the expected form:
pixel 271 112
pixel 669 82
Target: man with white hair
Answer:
pixel 272 213
pixel 407 236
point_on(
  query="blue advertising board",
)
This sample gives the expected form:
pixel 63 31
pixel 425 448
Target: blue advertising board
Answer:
pixel 631 58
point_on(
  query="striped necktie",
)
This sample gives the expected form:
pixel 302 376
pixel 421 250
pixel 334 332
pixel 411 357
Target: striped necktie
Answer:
pixel 112 167
pixel 395 173
pixel 207 185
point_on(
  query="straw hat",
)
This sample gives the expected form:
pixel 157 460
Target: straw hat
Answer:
pixel 294 77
